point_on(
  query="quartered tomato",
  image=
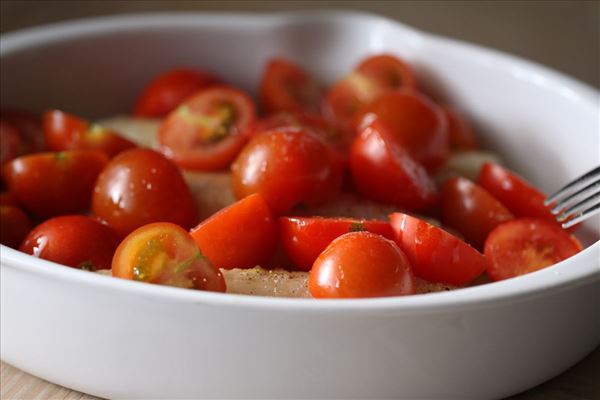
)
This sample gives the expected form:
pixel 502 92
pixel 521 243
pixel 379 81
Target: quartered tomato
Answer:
pixel 384 171
pixel 208 130
pixel 10 142
pixel 242 235
pixel 387 71
pixel 14 225
pixel 435 254
pixel 287 167
pixel 165 92
pixel 460 133
pixel 29 127
pixel 304 238
pixel 361 264
pixel 73 240
pixel 67 132
pixel 416 122
pixel 471 210
pixel 526 245
pixel 287 87
pixel 141 186
pixel 49 184
pixel 165 254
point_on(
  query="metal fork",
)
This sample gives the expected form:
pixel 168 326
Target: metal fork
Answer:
pixel 578 200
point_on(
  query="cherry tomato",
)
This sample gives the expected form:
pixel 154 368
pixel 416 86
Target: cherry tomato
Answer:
pixel 49 184
pixel 471 210
pixel 361 264
pixel 287 87
pixel 387 71
pixel 165 254
pixel 417 123
pixel 14 225
pixel 242 235
pixel 304 238
pixel 526 245
pixel 165 92
pixel 141 186
pixel 73 240
pixel 518 195
pixel 208 130
pixel 10 142
pixel 287 167
pixel 8 199
pixel 460 133
pixel 435 254
pixel 29 126
pixel 67 132
pixel 383 171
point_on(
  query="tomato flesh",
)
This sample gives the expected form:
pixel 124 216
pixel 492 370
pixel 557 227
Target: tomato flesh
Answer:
pixel 387 71
pixel 14 227
pixel 242 235
pixel 526 245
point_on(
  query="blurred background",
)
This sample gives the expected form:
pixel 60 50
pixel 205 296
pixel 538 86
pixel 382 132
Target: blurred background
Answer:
pixel 564 35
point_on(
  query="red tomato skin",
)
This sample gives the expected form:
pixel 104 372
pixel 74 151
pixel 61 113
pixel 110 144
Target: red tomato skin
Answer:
pixel 242 235
pixel 287 167
pixel 178 137
pixel 287 87
pixel 10 142
pixel 471 210
pixel 169 89
pixel 141 186
pixel 29 127
pixel 383 171
pixel 304 238
pixel 64 131
pixel 50 184
pixel 72 240
pixel 14 226
pixel 460 133
pixel 8 199
pixel 388 72
pixel 526 245
pixel 361 264
pixel 435 254
pixel 417 123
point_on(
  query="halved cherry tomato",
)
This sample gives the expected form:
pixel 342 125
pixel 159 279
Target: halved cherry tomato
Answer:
pixel 166 91
pixel 526 245
pixel 471 210
pixel 10 142
pixel 361 264
pixel 67 132
pixel 416 122
pixel 73 240
pixel 49 184
pixel 287 167
pixel 165 254
pixel 460 133
pixel 242 235
pixel 29 126
pixel 518 195
pixel 14 225
pixel 383 171
pixel 435 254
pixel 141 186
pixel 287 87
pixel 304 238
pixel 387 71
pixel 208 130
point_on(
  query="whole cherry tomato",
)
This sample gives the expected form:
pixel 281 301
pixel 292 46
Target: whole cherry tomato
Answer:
pixel 242 235
pixel 526 245
pixel 73 240
pixel 361 264
pixel 460 133
pixel 14 225
pixel 141 186
pixel 165 254
pixel 287 167
pixel 169 89
pixel 208 130
pixel 435 254
pixel 287 87
pixel 67 132
pixel 387 71
pixel 49 184
pixel 304 238
pixel 29 127
pixel 384 171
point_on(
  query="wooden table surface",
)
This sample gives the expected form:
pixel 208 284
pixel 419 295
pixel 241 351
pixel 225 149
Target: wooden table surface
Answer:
pixel 564 35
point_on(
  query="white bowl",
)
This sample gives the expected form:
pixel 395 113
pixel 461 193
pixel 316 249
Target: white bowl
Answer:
pixel 123 339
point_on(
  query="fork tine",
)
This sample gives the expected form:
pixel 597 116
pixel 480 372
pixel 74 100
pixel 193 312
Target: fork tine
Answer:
pixel 580 207
pixel 569 200
pixel 583 215
pixel 584 179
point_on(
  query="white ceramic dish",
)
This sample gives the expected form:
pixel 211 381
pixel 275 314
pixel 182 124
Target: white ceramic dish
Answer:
pixel 121 339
